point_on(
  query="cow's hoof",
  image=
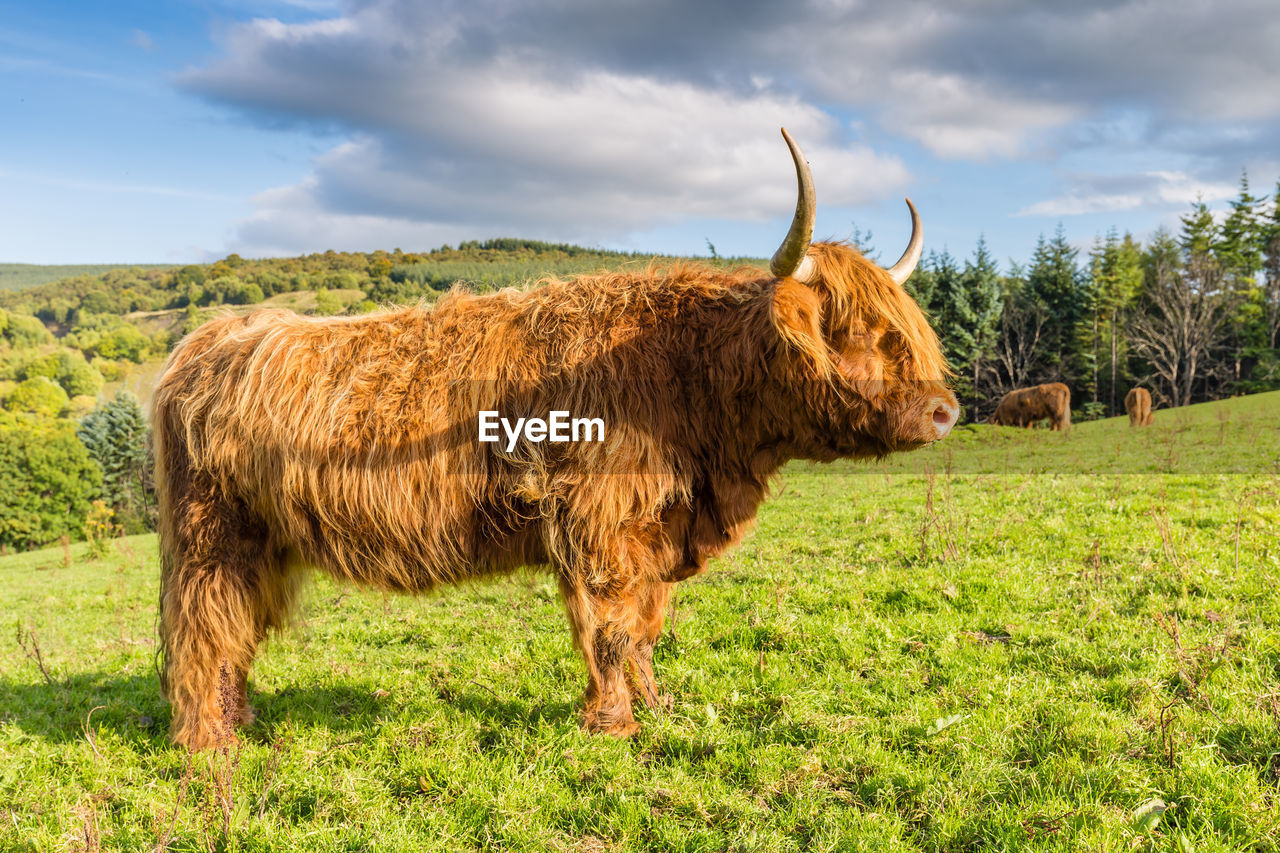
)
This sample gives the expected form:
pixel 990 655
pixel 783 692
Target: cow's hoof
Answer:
pixel 210 735
pixel 621 730
pixel 610 726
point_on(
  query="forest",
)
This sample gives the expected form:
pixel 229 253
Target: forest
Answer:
pixel 1192 316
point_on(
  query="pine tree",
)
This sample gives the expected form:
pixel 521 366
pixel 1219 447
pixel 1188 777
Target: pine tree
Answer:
pixel 969 302
pixel 1115 268
pixel 1199 233
pixel 945 276
pixel 922 285
pixel 1271 264
pixel 981 286
pixel 1239 245
pixel 115 434
pixel 1054 281
pixel 1229 257
pixel 1163 251
pixel 1128 288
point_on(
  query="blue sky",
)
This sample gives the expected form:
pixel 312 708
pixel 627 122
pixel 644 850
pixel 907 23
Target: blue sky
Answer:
pixel 183 131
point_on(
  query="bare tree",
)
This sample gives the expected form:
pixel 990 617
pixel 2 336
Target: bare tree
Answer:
pixel 1017 346
pixel 1180 323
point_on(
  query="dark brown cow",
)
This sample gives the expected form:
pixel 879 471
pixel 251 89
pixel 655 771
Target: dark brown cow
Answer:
pixel 1138 404
pixel 1026 407
pixel 352 445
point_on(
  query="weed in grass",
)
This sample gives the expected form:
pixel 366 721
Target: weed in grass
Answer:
pixel 163 829
pixel 89 838
pixel 30 645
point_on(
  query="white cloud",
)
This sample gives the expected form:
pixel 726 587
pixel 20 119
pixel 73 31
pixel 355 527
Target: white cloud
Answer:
pixel 579 118
pixel 958 118
pixel 1076 204
pixel 1106 193
pixel 511 147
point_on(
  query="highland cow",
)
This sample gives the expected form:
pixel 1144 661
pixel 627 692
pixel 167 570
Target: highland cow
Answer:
pixel 1138 404
pixel 1026 407
pixel 350 444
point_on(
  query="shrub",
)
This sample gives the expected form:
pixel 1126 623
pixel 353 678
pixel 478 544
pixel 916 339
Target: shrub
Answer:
pixel 46 480
pixel 23 330
pixel 69 369
pixel 327 304
pixel 37 395
pixel 100 529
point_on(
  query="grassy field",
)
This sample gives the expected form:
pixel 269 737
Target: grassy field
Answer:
pixel 1013 641
pixel 18 276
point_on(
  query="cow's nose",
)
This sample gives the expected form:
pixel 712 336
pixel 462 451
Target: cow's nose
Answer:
pixel 945 414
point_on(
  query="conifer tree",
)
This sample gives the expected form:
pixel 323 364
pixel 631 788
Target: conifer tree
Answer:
pixel 967 305
pixel 1199 233
pixel 115 434
pixel 923 285
pixel 1054 280
pixel 1271 266
pixel 1240 240
pixel 1115 267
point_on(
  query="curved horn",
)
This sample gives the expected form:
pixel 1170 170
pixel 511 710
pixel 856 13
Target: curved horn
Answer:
pixel 906 264
pixel 790 258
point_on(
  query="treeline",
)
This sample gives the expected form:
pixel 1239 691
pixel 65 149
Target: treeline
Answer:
pixel 1193 316
pixel 17 276
pixel 382 276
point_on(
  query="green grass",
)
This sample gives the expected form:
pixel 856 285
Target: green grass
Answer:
pixel 18 276
pixel 1008 642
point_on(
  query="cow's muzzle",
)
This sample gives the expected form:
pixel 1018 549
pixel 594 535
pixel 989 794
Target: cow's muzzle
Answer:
pixel 945 411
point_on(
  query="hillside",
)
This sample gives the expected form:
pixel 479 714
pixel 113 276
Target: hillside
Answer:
pixel 1235 436
pixel 18 276
pixel 394 276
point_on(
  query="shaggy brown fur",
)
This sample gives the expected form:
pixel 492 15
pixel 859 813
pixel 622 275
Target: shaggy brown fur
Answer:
pixel 1026 407
pixel 1138 404
pixel 350 444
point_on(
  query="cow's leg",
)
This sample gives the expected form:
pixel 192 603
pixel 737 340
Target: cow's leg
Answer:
pixel 603 629
pixel 221 591
pixel 652 611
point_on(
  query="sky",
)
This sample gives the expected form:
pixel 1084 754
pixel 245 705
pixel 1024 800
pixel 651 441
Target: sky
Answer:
pixel 182 131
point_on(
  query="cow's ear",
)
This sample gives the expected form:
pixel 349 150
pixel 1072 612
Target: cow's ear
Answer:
pixel 797 314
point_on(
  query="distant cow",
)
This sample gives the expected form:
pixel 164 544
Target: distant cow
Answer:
pixel 1138 404
pixel 352 444
pixel 1026 407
